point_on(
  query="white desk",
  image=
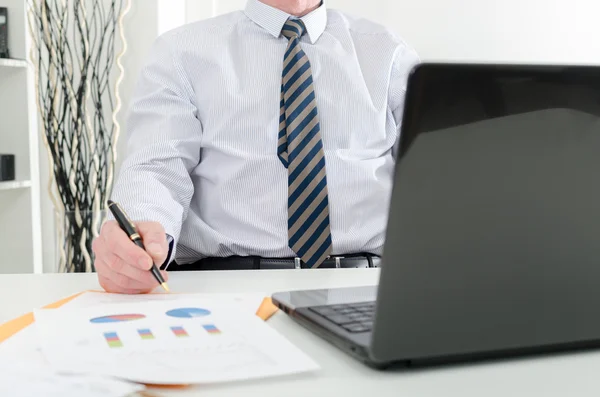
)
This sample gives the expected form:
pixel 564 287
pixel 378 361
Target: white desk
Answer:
pixel 559 375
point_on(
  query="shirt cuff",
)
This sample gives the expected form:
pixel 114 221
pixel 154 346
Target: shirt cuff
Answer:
pixel 170 258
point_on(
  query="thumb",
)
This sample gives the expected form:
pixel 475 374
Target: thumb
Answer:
pixel 155 241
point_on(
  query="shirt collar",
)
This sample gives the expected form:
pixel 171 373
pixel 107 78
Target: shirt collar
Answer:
pixel 272 19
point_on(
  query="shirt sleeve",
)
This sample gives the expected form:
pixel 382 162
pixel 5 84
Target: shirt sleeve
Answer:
pixel 406 59
pixel 163 145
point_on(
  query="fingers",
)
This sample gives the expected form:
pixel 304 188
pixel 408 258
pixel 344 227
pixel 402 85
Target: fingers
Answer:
pixel 121 273
pixel 133 276
pixel 116 283
pixel 117 242
pixel 122 283
pixel 155 241
pixel 123 267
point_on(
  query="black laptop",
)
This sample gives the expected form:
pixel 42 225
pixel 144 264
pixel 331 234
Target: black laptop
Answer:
pixel 493 239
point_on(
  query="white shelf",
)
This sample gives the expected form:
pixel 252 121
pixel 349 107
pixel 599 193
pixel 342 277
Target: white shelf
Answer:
pixel 20 217
pixel 13 63
pixel 12 185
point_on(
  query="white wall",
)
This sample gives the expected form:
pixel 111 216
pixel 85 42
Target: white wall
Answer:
pixel 540 31
pixel 200 9
pixel 172 14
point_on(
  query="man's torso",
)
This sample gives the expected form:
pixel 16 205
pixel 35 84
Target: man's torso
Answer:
pixel 234 68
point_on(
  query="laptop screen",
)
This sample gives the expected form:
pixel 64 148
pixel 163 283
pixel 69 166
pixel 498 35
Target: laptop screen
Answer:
pixel 493 238
pixel 497 164
pixel 444 96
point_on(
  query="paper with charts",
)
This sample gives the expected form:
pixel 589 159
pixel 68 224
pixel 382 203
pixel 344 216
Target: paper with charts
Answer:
pixel 167 342
pixel 25 382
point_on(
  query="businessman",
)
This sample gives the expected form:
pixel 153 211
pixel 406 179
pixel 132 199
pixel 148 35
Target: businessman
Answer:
pixel 260 139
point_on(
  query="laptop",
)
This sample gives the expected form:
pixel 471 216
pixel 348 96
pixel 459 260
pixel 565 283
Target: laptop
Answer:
pixel 493 238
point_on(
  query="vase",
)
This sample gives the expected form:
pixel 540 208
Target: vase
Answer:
pixel 78 231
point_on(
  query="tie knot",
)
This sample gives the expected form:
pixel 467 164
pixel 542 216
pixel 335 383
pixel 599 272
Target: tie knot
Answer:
pixel 293 28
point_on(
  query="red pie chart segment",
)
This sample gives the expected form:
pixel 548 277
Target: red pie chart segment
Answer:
pixel 116 318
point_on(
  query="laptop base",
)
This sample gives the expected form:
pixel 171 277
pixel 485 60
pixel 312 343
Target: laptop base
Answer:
pixel 332 334
pixel 310 321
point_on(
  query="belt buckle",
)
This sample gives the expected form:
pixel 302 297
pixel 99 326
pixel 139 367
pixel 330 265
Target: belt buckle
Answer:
pixel 297 263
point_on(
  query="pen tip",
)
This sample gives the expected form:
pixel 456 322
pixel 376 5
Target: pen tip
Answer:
pixel 110 202
pixel 166 287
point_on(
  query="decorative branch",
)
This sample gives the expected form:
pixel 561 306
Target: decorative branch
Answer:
pixel 74 55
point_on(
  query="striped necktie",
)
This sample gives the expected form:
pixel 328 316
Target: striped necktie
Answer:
pixel 300 149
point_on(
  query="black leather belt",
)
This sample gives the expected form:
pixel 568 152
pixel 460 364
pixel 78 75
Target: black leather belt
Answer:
pixel 258 263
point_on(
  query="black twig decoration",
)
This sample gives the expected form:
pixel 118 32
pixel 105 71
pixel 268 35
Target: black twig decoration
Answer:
pixel 74 58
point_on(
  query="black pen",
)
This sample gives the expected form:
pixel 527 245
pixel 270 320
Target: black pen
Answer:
pixel 129 228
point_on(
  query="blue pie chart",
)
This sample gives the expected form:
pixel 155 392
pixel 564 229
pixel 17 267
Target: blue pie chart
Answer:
pixel 188 312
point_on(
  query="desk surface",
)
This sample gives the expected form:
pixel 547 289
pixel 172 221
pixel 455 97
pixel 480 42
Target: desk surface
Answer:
pixel 574 374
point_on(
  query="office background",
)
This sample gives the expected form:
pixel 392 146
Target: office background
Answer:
pixel 538 31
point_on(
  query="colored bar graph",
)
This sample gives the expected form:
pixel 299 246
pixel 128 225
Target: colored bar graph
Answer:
pixel 145 334
pixel 179 332
pixel 211 329
pixel 113 339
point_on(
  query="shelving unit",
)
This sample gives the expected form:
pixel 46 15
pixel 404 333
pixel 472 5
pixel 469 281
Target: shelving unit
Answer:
pixel 11 185
pixel 20 219
pixel 13 63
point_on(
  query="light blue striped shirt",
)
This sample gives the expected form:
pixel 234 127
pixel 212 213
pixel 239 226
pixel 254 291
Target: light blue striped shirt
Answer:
pixel 204 122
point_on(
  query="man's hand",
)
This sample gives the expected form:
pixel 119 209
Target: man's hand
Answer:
pixel 121 265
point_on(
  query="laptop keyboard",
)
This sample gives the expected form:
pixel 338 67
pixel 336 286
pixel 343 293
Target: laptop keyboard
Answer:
pixel 353 317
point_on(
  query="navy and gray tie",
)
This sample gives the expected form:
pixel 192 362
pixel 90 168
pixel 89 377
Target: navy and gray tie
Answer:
pixel 300 149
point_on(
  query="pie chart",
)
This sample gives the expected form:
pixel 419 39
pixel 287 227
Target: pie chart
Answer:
pixel 116 318
pixel 188 312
